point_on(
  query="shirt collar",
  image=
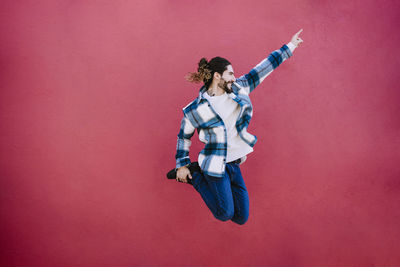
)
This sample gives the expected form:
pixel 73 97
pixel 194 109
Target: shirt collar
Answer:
pixel 201 91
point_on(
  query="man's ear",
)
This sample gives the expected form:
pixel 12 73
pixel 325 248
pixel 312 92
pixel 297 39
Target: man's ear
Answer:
pixel 217 75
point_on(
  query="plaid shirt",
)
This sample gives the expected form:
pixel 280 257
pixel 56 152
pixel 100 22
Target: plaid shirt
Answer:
pixel 201 116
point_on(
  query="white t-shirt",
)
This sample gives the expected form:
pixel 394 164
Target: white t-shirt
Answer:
pixel 229 110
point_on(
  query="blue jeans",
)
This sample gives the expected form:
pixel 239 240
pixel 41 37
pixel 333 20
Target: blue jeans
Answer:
pixel 226 197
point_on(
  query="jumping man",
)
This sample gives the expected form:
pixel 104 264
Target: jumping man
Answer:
pixel 221 114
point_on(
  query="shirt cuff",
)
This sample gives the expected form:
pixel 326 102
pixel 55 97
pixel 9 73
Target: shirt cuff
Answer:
pixel 291 46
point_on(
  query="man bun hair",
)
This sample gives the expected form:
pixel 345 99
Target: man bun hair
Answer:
pixel 203 73
pixel 206 70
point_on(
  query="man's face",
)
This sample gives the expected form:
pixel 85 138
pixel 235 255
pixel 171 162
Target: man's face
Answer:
pixel 227 79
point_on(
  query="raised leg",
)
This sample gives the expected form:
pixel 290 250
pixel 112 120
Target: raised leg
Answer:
pixel 240 194
pixel 216 193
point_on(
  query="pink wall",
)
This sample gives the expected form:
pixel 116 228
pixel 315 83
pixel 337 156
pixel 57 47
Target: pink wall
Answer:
pixel 91 97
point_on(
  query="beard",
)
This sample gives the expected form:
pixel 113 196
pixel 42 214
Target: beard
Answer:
pixel 224 85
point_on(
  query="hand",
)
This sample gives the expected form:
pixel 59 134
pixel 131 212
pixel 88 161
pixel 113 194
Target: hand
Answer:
pixel 182 174
pixel 296 40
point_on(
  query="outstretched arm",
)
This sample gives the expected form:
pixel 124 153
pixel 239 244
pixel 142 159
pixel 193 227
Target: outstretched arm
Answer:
pixel 252 79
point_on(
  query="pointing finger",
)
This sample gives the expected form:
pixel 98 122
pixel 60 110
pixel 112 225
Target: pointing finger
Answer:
pixel 297 34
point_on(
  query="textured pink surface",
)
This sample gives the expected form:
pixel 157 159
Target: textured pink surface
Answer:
pixel 91 97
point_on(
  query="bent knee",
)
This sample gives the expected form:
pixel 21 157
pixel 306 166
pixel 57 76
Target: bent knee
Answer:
pixel 241 220
pixel 225 215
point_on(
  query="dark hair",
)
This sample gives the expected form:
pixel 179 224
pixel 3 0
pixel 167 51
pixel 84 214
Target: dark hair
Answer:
pixel 205 71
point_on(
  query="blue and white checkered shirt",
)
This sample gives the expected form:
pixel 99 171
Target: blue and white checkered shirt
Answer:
pixel 201 116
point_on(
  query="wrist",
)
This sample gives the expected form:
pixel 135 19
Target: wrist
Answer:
pixel 291 46
pixel 187 166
